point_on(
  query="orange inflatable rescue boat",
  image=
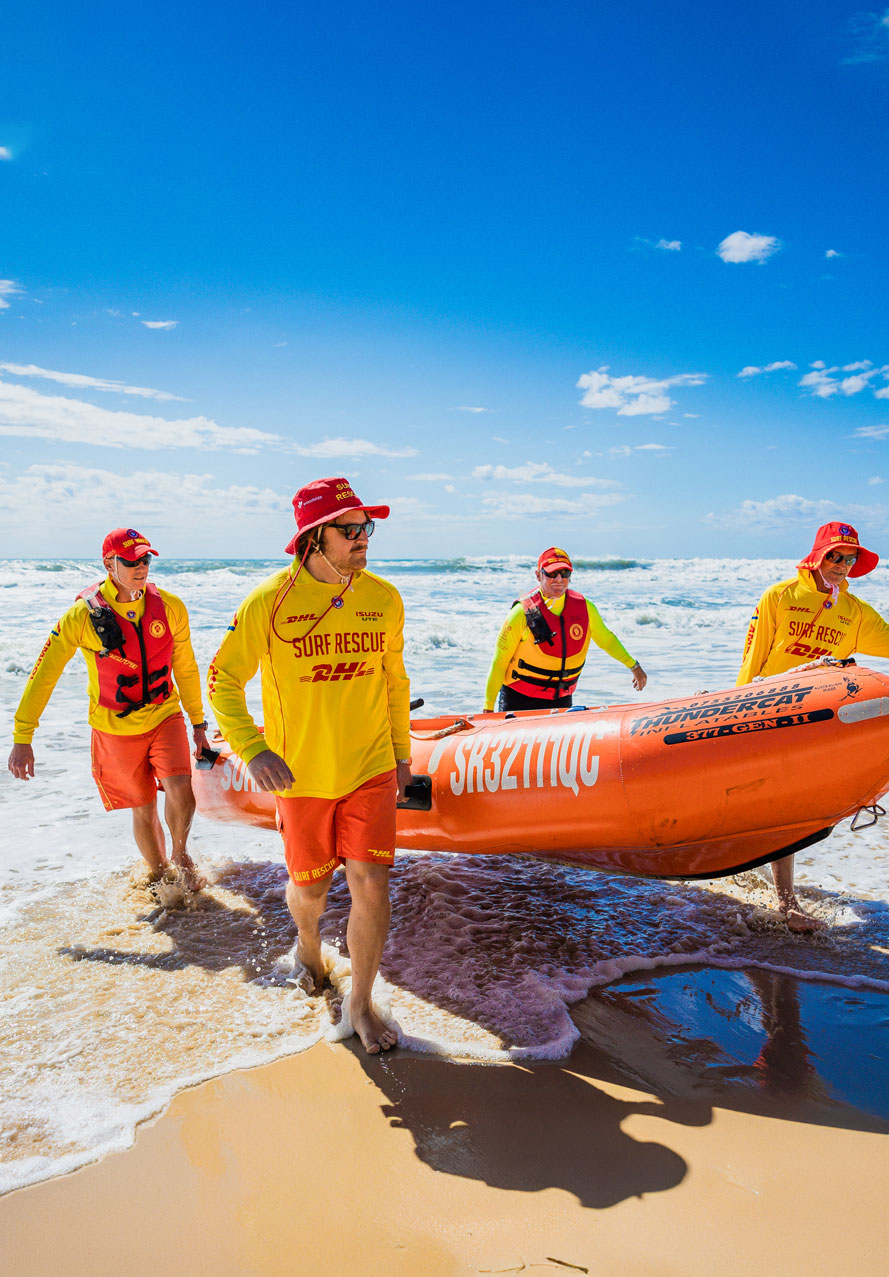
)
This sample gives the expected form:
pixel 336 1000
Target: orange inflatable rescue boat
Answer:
pixel 689 788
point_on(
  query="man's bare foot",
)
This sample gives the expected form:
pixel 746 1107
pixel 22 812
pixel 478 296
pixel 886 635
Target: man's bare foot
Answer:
pixel 308 954
pixel 375 1035
pixel 194 880
pixel 797 920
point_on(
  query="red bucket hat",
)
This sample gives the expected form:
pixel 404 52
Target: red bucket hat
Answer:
pixel 126 542
pixel 554 558
pixel 322 500
pixel 840 536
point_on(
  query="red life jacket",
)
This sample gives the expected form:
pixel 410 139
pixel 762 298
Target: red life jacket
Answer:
pixel 550 670
pixel 139 673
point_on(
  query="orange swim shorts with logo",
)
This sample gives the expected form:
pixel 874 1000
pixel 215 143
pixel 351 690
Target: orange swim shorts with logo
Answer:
pixel 320 833
pixel 129 770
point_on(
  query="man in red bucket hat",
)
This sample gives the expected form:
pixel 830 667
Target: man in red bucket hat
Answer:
pixel 335 747
pixel 802 619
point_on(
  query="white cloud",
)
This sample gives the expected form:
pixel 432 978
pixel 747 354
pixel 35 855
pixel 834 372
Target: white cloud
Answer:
pixel 874 480
pixel 820 383
pixel 626 450
pixel 159 323
pixel 775 513
pixel 740 246
pixel 753 371
pixel 506 504
pixel 871 432
pixel 81 382
pixel 665 245
pixel 632 396
pixel 870 36
pixel 30 414
pixel 852 385
pixel 449 487
pixel 832 252
pixel 539 472
pixel 498 439
pixel 5 153
pixel 428 478
pixel 27 413
pixel 8 288
pixel 82 498
pixel 349 448
pixel 470 408
pixel 824 385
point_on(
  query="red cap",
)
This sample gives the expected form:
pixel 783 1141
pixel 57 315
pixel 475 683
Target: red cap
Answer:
pixel 126 542
pixel 554 558
pixel 322 500
pixel 842 537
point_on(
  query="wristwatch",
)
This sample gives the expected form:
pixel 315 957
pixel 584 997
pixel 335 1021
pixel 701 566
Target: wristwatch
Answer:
pixel 403 760
pixel 199 727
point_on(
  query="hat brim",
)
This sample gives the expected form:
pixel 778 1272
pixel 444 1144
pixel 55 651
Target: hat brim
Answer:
pixel 866 562
pixel 375 512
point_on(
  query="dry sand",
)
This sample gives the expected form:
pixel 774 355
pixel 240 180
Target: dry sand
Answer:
pixel 644 1152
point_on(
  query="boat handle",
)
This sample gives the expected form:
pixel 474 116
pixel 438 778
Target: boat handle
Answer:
pixel 461 724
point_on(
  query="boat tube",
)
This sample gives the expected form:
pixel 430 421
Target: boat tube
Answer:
pixel 691 788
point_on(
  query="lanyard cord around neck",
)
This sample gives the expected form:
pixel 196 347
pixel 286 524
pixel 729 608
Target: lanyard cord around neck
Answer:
pixel 336 601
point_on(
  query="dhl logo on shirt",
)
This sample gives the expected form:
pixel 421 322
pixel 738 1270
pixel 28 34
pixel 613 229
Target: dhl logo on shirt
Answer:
pixel 340 672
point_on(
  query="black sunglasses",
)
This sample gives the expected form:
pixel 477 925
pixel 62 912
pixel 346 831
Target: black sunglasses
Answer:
pixel 352 531
pixel 848 559
pixel 134 563
pixel 565 573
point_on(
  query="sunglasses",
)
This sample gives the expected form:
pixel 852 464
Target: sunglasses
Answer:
pixel 134 563
pixel 352 531
pixel 848 560
pixel 564 573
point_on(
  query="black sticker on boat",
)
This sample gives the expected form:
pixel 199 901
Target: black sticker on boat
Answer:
pixel 739 728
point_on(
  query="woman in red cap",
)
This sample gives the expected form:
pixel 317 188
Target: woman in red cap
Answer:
pixel 802 619
pixel 542 645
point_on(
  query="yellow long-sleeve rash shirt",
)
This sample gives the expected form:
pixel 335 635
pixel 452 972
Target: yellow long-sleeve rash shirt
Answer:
pixel 335 695
pixel 514 632
pixel 75 632
pixel 795 623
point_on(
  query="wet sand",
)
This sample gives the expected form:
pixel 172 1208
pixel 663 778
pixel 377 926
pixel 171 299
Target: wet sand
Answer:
pixel 754 1141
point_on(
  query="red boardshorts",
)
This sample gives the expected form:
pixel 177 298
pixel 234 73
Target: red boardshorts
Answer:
pixel 319 833
pixel 129 769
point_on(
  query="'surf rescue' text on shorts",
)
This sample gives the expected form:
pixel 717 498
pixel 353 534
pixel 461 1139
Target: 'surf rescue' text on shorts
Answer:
pixel 319 833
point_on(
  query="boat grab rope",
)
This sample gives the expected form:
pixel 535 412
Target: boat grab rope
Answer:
pixel 460 725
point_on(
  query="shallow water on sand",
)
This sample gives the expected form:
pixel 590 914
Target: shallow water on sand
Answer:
pixel 114 999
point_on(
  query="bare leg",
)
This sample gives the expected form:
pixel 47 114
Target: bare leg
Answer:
pixel 794 916
pixel 366 936
pixel 178 814
pixel 150 837
pixel 306 904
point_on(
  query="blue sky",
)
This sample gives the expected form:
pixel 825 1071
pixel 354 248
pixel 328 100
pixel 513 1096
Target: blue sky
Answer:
pixel 611 277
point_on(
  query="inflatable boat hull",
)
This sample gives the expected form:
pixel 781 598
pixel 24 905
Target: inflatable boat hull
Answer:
pixel 689 788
